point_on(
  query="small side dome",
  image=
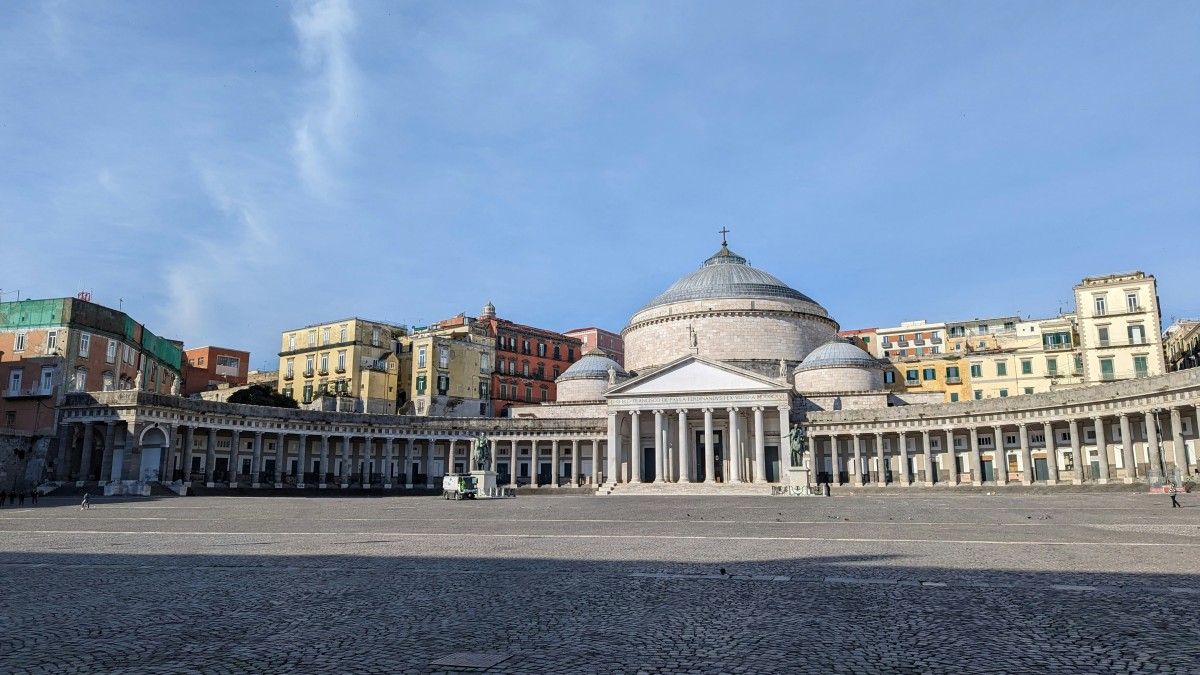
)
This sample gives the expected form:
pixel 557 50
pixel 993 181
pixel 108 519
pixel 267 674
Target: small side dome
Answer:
pixel 839 352
pixel 489 311
pixel 594 365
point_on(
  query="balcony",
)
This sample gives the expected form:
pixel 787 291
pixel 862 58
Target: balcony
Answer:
pixel 1057 347
pixel 289 376
pixel 30 392
pixel 323 371
pixel 953 379
pixel 309 373
pixel 912 383
pixel 901 343
pixel 340 370
pixel 919 342
pixel 935 341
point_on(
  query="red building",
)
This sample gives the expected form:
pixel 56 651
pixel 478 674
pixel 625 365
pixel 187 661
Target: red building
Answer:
pixel 608 342
pixel 206 367
pixel 528 360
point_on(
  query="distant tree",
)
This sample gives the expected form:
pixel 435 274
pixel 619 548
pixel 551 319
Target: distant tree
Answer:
pixel 261 394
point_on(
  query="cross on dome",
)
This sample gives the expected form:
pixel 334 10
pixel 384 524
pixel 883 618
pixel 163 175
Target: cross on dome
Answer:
pixel 724 231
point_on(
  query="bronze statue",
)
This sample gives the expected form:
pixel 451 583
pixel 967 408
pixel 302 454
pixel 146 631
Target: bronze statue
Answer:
pixel 797 442
pixel 483 453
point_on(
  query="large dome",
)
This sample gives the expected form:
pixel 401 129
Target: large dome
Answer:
pixel 727 311
pixel 726 275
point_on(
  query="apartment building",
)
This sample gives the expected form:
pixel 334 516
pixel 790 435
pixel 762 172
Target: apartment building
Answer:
pixel 943 373
pixel 528 361
pixel 1119 327
pixel 205 368
pixel 911 338
pixel 447 369
pixel 1181 345
pixel 866 339
pixel 606 341
pixel 346 358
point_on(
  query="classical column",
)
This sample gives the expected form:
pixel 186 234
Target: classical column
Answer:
pixel 904 477
pixel 280 456
pixel 880 460
pixel 732 449
pixel 927 458
pixel 387 461
pixel 512 463
pixel 834 460
pixel 189 434
pixel 85 458
pixel 785 450
pixel 660 455
pixel 1101 447
pixel 554 463
pixel 976 463
pixel 999 457
pixel 1177 448
pixel 110 437
pixel 1076 452
pixel 635 446
pixel 408 454
pixel 856 473
pixel 596 455
pixel 951 459
pixel 301 456
pixel 344 474
pixel 495 463
pixel 235 439
pixel 685 462
pixel 575 467
pixel 1152 455
pixel 210 455
pixel 1128 459
pixel 256 460
pixel 1051 452
pixel 614 447
pixel 1026 455
pixel 760 447
pixel 710 453
pixel 63 453
pixel 816 456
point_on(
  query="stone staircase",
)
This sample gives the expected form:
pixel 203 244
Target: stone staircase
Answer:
pixel 684 489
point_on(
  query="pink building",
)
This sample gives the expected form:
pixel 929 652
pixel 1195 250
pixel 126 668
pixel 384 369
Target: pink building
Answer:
pixel 609 343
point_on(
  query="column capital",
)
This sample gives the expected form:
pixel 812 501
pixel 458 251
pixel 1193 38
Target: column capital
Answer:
pixel 784 408
pixel 758 408
pixel 634 413
pixel 707 411
pixel 658 412
pixel 681 411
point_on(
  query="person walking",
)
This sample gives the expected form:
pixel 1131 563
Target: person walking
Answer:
pixel 1172 490
pixel 84 506
pixel 33 495
pixel 20 499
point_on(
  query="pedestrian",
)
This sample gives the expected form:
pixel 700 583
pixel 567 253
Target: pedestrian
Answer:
pixel 827 489
pixel 20 499
pixel 33 495
pixel 1172 490
pixel 84 506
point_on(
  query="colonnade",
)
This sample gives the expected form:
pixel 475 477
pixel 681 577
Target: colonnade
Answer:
pixel 1101 448
pixel 677 445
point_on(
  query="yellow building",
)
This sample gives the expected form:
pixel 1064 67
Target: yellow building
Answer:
pixel 1120 329
pixel 348 358
pixel 447 369
pixel 932 373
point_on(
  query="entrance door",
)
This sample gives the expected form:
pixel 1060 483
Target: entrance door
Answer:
pixel 568 473
pixel 773 468
pixel 1040 471
pixel 699 453
pixel 221 469
pixel 149 466
pixel 503 476
pixel 648 465
pixel 1095 465
pixel 988 473
pixel 545 476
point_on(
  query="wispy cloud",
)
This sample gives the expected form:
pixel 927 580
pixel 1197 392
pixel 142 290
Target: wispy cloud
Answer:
pixel 323 130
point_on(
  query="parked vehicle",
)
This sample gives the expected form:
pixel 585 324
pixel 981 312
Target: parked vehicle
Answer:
pixel 459 486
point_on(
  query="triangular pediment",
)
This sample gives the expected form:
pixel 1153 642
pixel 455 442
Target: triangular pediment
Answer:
pixel 691 375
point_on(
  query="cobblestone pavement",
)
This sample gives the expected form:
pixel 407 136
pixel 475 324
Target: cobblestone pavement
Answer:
pixel 913 584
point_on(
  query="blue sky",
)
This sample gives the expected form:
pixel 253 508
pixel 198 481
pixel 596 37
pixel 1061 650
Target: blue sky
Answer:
pixel 226 171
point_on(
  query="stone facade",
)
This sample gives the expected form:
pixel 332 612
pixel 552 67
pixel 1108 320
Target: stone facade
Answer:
pixel 838 379
pixel 579 390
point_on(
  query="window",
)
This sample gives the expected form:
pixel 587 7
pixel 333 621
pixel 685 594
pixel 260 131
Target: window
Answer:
pixel 503 390
pixel 525 346
pixel 325 336
pixel 443 357
pixel 1131 301
pixel 19 343
pixel 1106 370
pixel 85 343
pixel 341 361
pixel 51 341
pixel 483 389
pixel 529 393
pixel 541 371
pixel 525 368
pixel 1102 335
pixel 421 385
pixel 1078 364
pixel 14 380
pixel 1001 368
pixel 542 349
pixel 443 384
pixel 982 328
pixel 288 368
pixel 512 366
pixel 910 376
pixel 47 379
pixel 324 364
pixel 1139 367
pixel 978 395
pixel 201 361
pixel 556 372
pixel 889 377
pixel 1026 367
pixel 291 342
pixel 976 370
pixel 108 383
pixel 129 354
pixel 1051 366
pixel 343 334
pixel 308 393
pixel 1028 390
pixel 1010 439
pixel 375 336
pixel 1101 305
pixel 308 366
pixel 557 353
pixel 1137 334
pixel 929 374
pixel 421 357
pixel 954 397
pixel 483 363
pixel 545 394
pixel 951 374
pixel 571 354
pixel 312 338
pixel 1003 393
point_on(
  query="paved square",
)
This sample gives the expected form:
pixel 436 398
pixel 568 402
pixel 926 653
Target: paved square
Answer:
pixel 1067 583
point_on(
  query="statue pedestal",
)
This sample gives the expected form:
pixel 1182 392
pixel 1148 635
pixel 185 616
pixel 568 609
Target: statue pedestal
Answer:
pixel 485 481
pixel 797 476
